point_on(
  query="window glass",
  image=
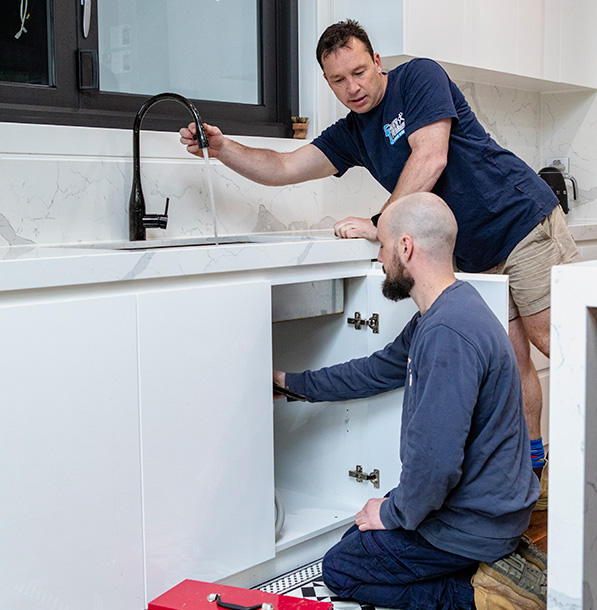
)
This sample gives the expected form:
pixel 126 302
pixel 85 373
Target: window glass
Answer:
pixel 25 42
pixel 202 49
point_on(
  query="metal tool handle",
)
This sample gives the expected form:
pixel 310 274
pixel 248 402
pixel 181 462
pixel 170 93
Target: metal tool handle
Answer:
pixel 215 597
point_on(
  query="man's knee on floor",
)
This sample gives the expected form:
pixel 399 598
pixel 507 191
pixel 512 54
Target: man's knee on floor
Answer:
pixel 334 579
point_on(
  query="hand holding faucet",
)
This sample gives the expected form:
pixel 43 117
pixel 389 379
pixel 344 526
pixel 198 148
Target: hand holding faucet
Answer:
pixel 188 137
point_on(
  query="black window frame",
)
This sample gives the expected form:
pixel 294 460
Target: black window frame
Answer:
pixel 67 104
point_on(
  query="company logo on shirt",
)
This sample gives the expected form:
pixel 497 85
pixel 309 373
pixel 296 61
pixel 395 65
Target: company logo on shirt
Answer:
pixel 395 129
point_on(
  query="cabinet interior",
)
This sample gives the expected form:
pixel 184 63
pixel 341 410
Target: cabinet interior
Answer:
pixel 310 439
pixel 315 445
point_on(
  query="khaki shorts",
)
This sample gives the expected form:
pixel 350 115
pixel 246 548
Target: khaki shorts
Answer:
pixel 529 264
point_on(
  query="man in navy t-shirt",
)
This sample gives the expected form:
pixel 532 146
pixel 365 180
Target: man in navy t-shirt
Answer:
pixel 415 132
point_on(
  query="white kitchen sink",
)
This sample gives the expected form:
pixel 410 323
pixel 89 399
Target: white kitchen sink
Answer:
pixel 224 240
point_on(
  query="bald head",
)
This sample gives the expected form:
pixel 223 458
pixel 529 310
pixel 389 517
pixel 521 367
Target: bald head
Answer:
pixel 427 219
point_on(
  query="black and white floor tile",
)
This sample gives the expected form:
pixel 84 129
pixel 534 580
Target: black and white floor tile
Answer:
pixel 306 582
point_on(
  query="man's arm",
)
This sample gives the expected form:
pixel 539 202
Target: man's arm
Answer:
pixel 264 166
pixel 427 160
pixel 382 371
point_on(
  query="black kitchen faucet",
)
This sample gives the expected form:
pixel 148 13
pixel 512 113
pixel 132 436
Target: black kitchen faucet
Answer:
pixel 139 220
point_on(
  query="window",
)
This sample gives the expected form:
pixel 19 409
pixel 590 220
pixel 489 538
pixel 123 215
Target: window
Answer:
pixel 236 59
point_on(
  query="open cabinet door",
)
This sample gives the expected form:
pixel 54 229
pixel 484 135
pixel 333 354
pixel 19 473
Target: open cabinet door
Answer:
pixel 385 410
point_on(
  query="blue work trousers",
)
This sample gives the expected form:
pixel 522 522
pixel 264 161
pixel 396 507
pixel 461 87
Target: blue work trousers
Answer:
pixel 398 569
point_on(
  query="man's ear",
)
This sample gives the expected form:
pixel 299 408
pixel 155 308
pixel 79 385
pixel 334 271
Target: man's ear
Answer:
pixel 377 61
pixel 406 247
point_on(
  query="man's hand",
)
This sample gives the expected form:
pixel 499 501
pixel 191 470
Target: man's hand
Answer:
pixel 279 379
pixel 214 135
pixel 368 518
pixel 355 227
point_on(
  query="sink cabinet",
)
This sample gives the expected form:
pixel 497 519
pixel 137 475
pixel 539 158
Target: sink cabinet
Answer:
pixel 141 445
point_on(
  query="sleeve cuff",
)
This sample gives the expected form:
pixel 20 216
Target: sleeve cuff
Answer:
pixel 296 382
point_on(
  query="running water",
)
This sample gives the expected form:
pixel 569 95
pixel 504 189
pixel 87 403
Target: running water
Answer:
pixel 211 194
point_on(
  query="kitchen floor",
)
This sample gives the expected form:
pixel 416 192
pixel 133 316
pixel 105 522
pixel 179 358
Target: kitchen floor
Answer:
pixel 307 583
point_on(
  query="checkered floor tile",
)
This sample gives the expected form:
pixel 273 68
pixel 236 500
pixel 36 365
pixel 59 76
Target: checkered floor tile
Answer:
pixel 306 583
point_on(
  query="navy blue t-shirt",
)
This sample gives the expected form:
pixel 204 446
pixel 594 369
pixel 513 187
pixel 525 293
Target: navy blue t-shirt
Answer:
pixel 496 197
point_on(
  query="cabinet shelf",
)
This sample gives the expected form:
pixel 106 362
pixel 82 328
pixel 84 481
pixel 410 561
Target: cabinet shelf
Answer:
pixel 309 516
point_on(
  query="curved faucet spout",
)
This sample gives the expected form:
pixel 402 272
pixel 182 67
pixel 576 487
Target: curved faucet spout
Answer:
pixel 138 219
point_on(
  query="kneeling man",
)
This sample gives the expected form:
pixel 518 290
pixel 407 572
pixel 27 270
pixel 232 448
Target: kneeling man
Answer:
pixel 466 490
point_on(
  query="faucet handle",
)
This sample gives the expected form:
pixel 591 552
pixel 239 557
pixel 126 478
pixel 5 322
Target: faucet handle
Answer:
pixel 157 221
pixel 201 136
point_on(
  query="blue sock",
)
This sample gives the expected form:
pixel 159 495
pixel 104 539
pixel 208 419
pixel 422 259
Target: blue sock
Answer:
pixel 537 453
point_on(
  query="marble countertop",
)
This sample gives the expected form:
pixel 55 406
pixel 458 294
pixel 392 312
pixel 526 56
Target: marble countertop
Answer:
pixel 33 266
pixel 30 267
pixel 572 569
pixel 583 230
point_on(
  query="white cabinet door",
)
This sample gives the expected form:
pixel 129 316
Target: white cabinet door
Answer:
pixel 383 21
pixel 531 57
pixel 492 35
pixel 70 516
pixel 578 45
pixel 207 438
pixel 550 40
pixel 385 410
pixel 436 29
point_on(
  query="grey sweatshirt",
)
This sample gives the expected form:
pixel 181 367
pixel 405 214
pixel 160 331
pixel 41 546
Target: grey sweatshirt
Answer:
pixel 466 484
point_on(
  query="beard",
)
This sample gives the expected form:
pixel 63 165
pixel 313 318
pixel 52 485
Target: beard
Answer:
pixel 398 286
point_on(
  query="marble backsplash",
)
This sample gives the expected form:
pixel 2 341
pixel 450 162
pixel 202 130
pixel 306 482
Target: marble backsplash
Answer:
pixel 569 129
pixel 72 184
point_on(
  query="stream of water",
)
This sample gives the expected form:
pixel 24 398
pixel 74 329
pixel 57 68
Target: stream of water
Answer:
pixel 210 187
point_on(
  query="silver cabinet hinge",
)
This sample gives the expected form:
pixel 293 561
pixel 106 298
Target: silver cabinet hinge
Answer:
pixel 361 476
pixel 359 322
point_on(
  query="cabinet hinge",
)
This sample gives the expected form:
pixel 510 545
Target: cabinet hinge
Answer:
pixel 359 322
pixel 361 476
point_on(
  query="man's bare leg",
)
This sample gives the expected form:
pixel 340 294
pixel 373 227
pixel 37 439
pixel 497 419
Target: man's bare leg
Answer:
pixel 523 331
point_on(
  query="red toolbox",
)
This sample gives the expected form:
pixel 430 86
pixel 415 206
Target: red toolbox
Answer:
pixel 196 595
